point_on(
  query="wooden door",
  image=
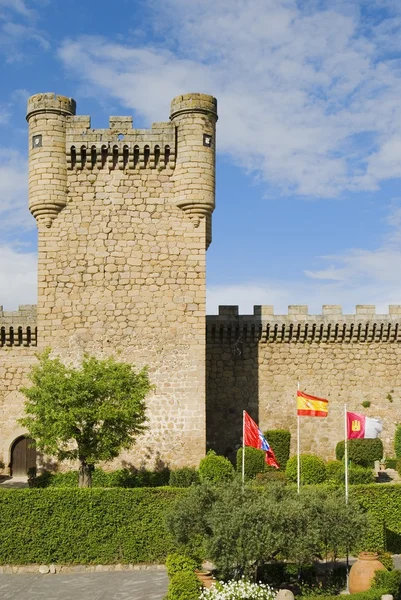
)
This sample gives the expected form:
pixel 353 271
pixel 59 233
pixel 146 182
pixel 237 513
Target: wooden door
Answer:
pixel 23 456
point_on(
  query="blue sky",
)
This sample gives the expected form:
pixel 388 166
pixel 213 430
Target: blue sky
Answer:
pixel 309 134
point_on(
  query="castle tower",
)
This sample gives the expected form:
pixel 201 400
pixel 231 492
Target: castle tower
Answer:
pixel 124 220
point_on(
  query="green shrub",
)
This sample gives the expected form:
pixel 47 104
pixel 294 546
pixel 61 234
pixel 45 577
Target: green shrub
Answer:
pixel 361 452
pixel 357 474
pixel 183 477
pixel 254 462
pixel 214 468
pixel 280 442
pixel 390 463
pixel 184 586
pixel 397 441
pixel 313 469
pixel 372 594
pixel 105 479
pixel 389 581
pixel 177 563
pixel 386 559
pixel 85 526
pixel 270 477
pixel 335 471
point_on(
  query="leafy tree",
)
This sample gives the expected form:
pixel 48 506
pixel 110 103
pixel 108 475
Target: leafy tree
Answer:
pixel 89 413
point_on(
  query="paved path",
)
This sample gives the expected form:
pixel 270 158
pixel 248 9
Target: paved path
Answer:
pixel 131 585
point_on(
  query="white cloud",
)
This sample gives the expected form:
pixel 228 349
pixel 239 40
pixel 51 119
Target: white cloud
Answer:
pixel 17 277
pixel 308 99
pixel 17 27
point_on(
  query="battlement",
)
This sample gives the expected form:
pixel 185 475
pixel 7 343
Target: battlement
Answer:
pixel 120 146
pixel 298 326
pixel 50 103
pixel 18 328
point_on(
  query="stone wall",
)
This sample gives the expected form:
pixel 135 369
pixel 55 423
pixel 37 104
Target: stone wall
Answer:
pixel 254 363
pixel 124 221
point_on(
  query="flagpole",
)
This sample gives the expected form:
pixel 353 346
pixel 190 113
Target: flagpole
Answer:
pixel 298 453
pixel 346 483
pixel 243 447
pixel 346 453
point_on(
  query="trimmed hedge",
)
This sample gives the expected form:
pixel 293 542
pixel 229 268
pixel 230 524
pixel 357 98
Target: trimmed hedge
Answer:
pixel 184 586
pixel 397 441
pixel 280 442
pixel 254 462
pixel 357 474
pixel 184 477
pixel 372 594
pixel 215 469
pixel 361 452
pixel 106 479
pixel 313 469
pixel 88 526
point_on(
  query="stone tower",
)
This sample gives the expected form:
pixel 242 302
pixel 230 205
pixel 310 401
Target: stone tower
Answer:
pixel 124 220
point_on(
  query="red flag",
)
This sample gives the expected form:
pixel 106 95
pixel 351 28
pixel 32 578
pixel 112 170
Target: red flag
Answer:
pixel 255 438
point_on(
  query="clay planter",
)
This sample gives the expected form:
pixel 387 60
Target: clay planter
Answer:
pixel 362 572
pixel 206 578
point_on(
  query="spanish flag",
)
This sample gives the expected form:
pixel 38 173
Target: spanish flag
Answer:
pixel 311 406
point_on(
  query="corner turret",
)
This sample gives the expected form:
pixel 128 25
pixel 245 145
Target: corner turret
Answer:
pixel 195 117
pixel 46 116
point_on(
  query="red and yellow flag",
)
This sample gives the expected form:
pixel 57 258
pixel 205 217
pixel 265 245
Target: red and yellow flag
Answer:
pixel 311 406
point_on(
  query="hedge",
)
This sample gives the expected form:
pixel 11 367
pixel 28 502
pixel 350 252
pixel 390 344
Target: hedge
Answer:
pixel 280 442
pixel 254 462
pixel 397 441
pixel 361 452
pixel 313 469
pixel 87 526
pixel 105 479
pixel 214 468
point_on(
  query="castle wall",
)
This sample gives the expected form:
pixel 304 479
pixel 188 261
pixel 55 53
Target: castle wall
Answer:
pixel 255 361
pixel 124 222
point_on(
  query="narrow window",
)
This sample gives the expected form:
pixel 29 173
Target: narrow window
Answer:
pixel 83 157
pixel 73 157
pixel 166 155
pixel 146 154
pixel 136 156
pixel 157 155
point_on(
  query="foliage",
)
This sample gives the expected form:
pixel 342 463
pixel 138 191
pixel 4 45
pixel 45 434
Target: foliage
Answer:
pixel 215 469
pixel 176 563
pixel 386 559
pixel 388 580
pixel 242 527
pixel 366 403
pixel 88 414
pixel 85 526
pixel 254 462
pixel 390 463
pixel 272 476
pixel 313 469
pixel 280 442
pixel 361 452
pixel 184 586
pixel 398 466
pixel 372 594
pixel 183 477
pixel 127 478
pixel 397 441
pixel 237 590
pixel 357 474
pixel 382 502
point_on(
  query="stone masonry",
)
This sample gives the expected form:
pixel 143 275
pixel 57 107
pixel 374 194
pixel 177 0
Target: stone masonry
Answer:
pixel 124 221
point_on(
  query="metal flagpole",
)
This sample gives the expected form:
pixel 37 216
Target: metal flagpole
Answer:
pixel 243 446
pixel 298 454
pixel 346 482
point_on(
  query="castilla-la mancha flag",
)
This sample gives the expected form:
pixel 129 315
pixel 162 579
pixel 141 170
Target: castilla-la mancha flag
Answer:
pixel 255 438
pixel 360 426
pixel 311 406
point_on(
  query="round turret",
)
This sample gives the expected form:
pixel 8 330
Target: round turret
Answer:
pixel 47 115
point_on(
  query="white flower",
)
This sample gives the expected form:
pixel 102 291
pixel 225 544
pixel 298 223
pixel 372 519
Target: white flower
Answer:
pixel 239 590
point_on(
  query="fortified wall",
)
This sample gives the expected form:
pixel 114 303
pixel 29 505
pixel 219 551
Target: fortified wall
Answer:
pixel 124 220
pixel 254 363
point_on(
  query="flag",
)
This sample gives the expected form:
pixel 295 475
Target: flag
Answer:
pixel 255 438
pixel 311 406
pixel 359 426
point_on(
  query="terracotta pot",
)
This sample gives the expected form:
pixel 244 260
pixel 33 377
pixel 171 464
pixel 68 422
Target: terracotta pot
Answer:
pixel 362 572
pixel 206 578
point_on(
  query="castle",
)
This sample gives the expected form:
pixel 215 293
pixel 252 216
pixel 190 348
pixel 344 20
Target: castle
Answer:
pixel 124 222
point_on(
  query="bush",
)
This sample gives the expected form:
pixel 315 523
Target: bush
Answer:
pixel 386 559
pixel 270 477
pixel 399 466
pixel 389 581
pixel 85 526
pixel 254 462
pixel 313 469
pixel 177 563
pixel 397 441
pixel 335 471
pixel 184 586
pixel 238 590
pixel 361 452
pixel 390 463
pixel 358 475
pixel 106 479
pixel 215 469
pixel 184 477
pixel 280 442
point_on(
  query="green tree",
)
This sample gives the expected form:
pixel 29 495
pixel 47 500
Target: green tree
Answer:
pixel 89 413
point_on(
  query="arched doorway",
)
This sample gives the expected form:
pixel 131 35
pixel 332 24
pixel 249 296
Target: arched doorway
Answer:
pixel 23 456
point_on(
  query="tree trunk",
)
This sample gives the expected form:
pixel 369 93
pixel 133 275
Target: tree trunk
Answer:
pixel 85 475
